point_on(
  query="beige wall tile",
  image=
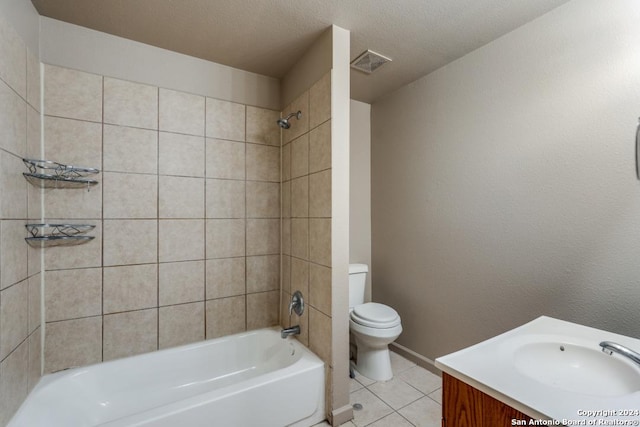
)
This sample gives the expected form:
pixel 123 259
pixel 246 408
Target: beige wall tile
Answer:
pixel 262 127
pixel 130 104
pixel 181 197
pixel 263 236
pixel 13 121
pixel 14 61
pixel 263 273
pixel 285 298
pixel 225 120
pixel 286 236
pixel 131 287
pixel 181 240
pixel 225 277
pixel 298 127
pixel 79 256
pixel 225 198
pixel 320 334
pixel 70 294
pixel 320 287
pixel 128 196
pixel 74 203
pixel 286 162
pixel 300 156
pixel 263 163
pixel 300 197
pixel 225 159
pixel 320 241
pixel 13 262
pixel 225 238
pixel 130 242
pixel 263 199
pixel 34 258
pixel 130 333
pixel 181 155
pixel 286 273
pixel 35 297
pixel 34 149
pixel 14 317
pixel 181 112
pixel 14 382
pixel 73 142
pixel 33 80
pixel 35 359
pixel 320 101
pixel 72 94
pixel 34 203
pixel 300 276
pixel 262 310
pixel 130 150
pixel 300 237
pixel 72 343
pixel 13 187
pixel 320 148
pixel 286 199
pixel 225 316
pixel 181 324
pixel 181 282
pixel 320 194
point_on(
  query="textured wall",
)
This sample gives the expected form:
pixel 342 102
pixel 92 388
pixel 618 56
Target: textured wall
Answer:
pixel 503 184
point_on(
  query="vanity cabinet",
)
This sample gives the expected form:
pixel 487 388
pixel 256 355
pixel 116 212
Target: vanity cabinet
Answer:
pixel 466 406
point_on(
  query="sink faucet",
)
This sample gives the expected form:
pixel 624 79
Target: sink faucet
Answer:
pixel 611 347
pixel 294 330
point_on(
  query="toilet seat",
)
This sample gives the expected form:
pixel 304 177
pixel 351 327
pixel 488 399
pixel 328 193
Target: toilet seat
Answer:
pixel 374 315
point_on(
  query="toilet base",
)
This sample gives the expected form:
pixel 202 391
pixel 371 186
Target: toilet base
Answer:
pixel 374 363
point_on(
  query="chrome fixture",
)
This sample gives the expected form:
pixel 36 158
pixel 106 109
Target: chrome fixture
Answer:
pixel 611 347
pixel 294 330
pixel 297 304
pixel 284 123
pixel 638 150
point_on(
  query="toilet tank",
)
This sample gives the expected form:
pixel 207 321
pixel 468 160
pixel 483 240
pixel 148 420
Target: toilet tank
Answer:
pixel 357 280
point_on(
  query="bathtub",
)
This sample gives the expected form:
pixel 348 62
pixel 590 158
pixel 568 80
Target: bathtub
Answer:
pixel 249 379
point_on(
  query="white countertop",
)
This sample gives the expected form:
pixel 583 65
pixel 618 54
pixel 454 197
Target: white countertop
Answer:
pixel 490 367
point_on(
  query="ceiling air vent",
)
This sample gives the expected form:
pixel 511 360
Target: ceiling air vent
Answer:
pixel 369 61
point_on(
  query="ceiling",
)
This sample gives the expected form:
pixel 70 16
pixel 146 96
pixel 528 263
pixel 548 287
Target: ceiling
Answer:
pixel 268 36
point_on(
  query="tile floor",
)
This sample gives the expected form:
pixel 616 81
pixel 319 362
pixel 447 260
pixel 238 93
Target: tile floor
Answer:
pixel 412 398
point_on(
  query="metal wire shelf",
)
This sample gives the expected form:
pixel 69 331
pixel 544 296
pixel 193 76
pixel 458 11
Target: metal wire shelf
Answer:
pixel 48 174
pixel 47 235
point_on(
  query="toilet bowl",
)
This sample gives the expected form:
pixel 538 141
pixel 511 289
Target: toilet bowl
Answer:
pixel 374 326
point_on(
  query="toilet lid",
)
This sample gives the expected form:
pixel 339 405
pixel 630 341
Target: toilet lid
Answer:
pixel 375 315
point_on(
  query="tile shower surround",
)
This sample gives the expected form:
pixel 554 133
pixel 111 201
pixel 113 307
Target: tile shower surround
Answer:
pixel 19 202
pixel 187 215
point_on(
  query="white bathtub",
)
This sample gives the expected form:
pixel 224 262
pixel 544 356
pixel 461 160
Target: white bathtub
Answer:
pixel 249 379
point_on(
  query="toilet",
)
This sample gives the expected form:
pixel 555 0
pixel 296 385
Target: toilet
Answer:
pixel 374 326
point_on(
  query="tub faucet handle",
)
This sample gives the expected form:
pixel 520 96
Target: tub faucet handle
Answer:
pixel 297 304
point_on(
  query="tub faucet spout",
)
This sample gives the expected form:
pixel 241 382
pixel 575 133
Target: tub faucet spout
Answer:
pixel 611 347
pixel 294 330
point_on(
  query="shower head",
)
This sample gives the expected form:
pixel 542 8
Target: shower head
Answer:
pixel 284 123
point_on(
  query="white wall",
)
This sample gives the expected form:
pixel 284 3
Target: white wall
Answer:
pixel 360 188
pixel 80 48
pixel 503 184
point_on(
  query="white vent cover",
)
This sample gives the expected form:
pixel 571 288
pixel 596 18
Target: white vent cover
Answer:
pixel 369 61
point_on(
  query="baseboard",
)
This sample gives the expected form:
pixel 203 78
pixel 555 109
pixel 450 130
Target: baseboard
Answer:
pixel 416 358
pixel 341 415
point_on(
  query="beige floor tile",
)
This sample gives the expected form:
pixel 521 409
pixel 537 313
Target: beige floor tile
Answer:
pixel 395 393
pixel 423 413
pixel 354 385
pixel 436 395
pixel 393 420
pixel 372 410
pixel 363 380
pixel 399 364
pixel 421 379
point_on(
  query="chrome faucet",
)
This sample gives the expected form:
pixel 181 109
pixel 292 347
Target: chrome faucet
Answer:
pixel 294 330
pixel 611 347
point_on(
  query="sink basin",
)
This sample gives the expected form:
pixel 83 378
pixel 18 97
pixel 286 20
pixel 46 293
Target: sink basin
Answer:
pixel 577 368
